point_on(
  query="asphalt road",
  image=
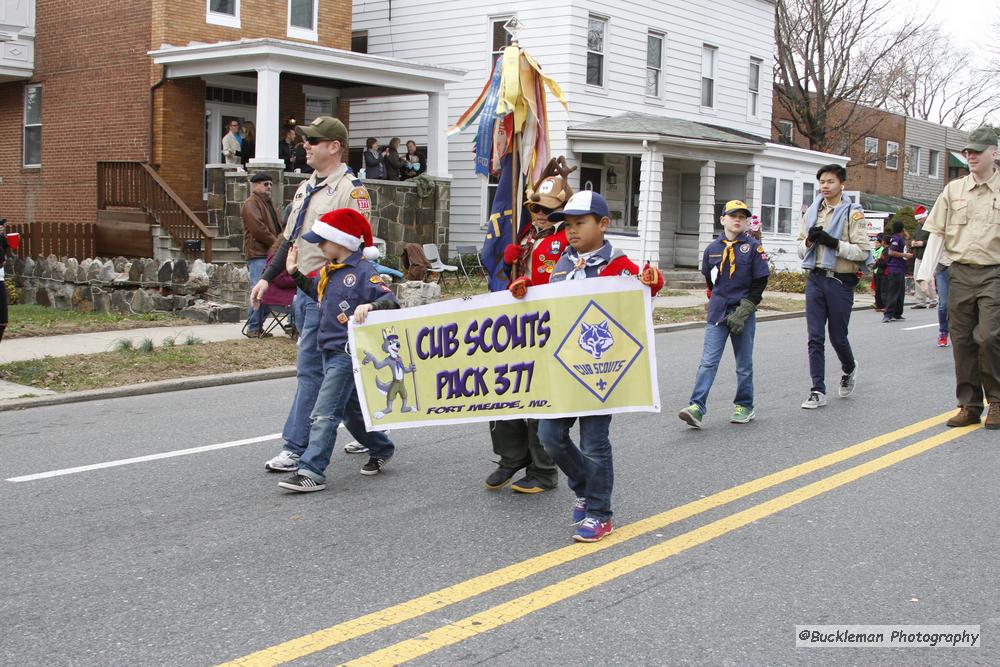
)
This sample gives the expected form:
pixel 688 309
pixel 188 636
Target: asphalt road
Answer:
pixel 723 542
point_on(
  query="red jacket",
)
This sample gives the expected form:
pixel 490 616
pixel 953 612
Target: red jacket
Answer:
pixel 538 255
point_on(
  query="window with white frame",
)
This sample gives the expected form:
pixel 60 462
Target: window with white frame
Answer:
pixel 708 54
pixel 913 160
pixel 934 167
pixel 302 19
pixel 808 195
pixel 597 29
pixel 319 102
pixel 776 207
pixel 871 151
pixel 654 63
pixel 33 126
pixel 500 38
pixel 753 93
pixel 786 132
pixel 223 12
pixel 891 155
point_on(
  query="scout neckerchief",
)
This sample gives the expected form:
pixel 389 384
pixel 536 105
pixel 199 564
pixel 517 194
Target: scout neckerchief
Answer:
pixel 310 191
pixel 730 254
pixel 324 276
pixel 581 262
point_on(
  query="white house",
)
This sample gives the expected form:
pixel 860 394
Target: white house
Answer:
pixel 669 110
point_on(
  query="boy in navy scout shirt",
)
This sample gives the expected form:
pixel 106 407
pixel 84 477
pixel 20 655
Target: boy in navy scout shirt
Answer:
pixel 736 272
pixel 348 286
pixel 588 468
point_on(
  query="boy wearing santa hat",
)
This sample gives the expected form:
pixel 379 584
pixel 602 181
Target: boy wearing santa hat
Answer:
pixel 919 244
pixel 346 287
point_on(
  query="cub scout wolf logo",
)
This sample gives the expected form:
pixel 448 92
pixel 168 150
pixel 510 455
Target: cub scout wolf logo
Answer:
pixel 395 387
pixel 595 339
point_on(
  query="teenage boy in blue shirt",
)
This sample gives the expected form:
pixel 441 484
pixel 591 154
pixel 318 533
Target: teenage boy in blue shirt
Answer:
pixel 588 468
pixel 736 272
pixel 346 287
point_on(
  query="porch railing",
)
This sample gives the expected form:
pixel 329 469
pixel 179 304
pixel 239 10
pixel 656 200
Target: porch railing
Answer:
pixel 130 184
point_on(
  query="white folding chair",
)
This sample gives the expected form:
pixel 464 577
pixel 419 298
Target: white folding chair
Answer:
pixel 437 266
pixel 470 262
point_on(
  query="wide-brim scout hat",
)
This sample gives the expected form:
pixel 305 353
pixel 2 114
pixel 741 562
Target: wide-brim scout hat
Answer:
pixel 552 189
pixel 735 206
pixel 981 139
pixel 325 127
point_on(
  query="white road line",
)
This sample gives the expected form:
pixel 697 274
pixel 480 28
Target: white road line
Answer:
pixel 142 459
pixel 922 326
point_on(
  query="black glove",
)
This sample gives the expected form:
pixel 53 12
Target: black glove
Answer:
pixel 825 239
pixel 813 233
pixel 736 319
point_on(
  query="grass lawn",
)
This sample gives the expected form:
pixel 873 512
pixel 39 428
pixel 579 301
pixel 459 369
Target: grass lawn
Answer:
pixel 29 321
pixel 113 369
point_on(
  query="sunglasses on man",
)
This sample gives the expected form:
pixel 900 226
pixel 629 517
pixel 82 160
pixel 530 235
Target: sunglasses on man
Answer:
pixel 315 141
pixel 535 208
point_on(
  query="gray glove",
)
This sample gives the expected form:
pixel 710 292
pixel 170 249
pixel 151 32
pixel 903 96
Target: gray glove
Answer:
pixel 736 319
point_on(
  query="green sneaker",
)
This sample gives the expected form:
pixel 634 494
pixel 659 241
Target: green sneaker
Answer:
pixel 742 415
pixel 691 415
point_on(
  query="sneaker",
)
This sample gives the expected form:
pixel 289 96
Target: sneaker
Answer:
pixel 742 415
pixel 886 319
pixel 374 466
pixel 283 462
pixel 355 448
pixel 528 484
pixel 579 511
pixel 499 477
pixel 302 484
pixel 847 382
pixel 691 415
pixel 943 340
pixel 593 530
pixel 817 399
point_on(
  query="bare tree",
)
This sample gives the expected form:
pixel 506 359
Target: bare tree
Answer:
pixel 932 80
pixel 831 62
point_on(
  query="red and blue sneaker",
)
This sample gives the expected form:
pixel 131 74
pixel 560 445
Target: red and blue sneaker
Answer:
pixel 579 511
pixel 593 530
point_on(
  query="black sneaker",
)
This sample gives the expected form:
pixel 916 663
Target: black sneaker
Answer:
pixel 499 477
pixel 374 466
pixel 301 484
pixel 528 484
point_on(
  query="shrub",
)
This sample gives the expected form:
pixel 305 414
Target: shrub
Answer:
pixel 13 294
pixel 123 345
pixel 146 346
pixel 787 281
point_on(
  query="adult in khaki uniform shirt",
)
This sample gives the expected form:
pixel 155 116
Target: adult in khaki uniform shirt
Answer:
pixel 965 231
pixel 332 185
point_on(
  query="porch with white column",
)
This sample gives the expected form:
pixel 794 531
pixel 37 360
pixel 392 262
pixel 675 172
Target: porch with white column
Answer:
pixel 268 120
pixel 650 205
pixel 706 208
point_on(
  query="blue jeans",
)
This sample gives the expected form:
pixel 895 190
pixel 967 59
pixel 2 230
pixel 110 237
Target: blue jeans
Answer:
pixel 338 402
pixel 308 374
pixel 589 469
pixel 941 279
pixel 828 305
pixel 715 345
pixel 255 318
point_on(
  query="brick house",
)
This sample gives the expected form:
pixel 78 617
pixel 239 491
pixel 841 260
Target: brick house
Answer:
pixel 153 83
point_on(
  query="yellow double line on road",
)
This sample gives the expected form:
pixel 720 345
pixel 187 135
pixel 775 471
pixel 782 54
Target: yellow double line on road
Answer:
pixel 509 611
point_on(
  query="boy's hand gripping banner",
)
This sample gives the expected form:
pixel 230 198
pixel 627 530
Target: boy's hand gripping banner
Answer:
pixel 568 349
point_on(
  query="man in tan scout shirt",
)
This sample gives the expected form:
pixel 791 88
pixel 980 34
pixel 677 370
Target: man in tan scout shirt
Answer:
pixel 965 230
pixel 331 186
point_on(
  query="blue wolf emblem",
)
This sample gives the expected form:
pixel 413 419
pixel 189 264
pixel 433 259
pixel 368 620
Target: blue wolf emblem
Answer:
pixel 596 339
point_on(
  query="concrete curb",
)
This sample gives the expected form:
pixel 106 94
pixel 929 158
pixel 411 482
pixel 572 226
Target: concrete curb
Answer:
pixel 219 379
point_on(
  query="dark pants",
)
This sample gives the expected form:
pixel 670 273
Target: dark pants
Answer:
pixel 878 285
pixel 828 305
pixel 3 308
pixel 895 292
pixel 974 318
pixel 515 441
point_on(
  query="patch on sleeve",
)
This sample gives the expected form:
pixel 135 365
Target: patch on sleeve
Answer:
pixel 359 193
pixel 385 288
pixel 857 215
pixel 375 279
pixel 357 182
pixel 763 255
pixel 625 272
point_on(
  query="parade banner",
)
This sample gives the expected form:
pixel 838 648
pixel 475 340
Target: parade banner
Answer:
pixel 572 348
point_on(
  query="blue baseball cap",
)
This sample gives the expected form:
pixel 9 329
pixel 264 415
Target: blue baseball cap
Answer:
pixel 583 203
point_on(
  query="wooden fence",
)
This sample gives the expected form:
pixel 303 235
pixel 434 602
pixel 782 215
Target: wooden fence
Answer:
pixel 63 239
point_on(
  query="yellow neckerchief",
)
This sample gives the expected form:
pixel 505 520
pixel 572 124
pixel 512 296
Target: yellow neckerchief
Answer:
pixel 731 254
pixel 324 276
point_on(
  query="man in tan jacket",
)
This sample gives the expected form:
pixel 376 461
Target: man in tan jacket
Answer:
pixel 964 228
pixel 261 227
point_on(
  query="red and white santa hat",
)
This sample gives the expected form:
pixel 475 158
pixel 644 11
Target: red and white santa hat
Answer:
pixel 345 227
pixel 920 212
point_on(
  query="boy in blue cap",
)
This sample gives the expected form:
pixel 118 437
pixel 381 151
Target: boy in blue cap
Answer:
pixel 736 272
pixel 346 287
pixel 588 468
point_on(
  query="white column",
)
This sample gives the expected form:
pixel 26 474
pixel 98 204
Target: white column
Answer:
pixel 268 120
pixel 650 206
pixel 437 139
pixel 753 196
pixel 706 209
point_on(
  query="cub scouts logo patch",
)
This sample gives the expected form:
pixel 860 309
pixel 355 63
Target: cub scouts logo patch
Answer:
pixel 597 352
pixel 375 280
pixel 555 247
pixel 745 248
pixel 350 279
pixel 857 215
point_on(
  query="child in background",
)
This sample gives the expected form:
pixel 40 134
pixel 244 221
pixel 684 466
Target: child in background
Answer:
pixel 878 271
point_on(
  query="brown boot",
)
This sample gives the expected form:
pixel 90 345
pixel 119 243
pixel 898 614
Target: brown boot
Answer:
pixel 967 416
pixel 993 417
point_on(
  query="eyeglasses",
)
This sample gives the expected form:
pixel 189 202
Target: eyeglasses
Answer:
pixel 535 208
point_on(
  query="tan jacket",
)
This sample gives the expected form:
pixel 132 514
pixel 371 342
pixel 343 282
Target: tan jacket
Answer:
pixel 967 215
pixel 230 146
pixel 854 244
pixel 342 189
pixel 260 228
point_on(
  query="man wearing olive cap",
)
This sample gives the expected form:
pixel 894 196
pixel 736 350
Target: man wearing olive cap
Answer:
pixel 964 228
